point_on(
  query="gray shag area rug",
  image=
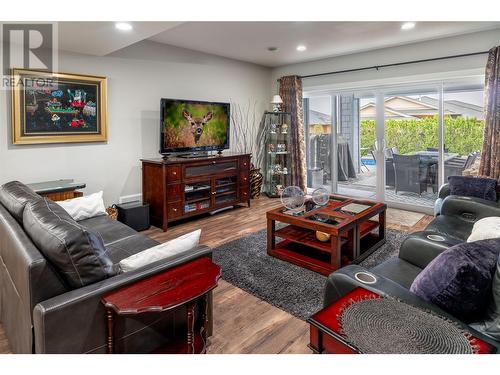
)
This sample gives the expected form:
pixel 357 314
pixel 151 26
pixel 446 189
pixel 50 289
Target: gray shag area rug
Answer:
pixel 293 289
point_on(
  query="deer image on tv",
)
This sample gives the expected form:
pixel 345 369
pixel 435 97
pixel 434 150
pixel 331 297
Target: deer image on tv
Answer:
pixel 188 125
pixel 197 123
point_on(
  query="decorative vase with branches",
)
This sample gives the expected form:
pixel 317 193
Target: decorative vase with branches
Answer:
pixel 247 137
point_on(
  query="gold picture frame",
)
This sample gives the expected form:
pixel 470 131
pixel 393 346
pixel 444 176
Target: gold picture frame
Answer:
pixel 50 107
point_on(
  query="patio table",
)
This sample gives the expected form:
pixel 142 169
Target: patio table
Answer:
pixel 434 155
pixel 431 159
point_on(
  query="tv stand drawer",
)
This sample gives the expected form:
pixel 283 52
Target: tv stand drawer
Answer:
pixel 212 167
pixel 174 192
pixel 175 210
pixel 174 173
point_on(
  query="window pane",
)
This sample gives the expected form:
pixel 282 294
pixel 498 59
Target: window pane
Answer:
pixel 318 138
pixel 412 153
pixel 463 129
pixel 357 166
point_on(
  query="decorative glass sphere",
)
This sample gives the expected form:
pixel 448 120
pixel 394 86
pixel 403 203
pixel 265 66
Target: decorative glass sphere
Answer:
pixel 320 196
pixel 293 197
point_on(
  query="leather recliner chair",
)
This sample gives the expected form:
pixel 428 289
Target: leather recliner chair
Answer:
pixel 394 277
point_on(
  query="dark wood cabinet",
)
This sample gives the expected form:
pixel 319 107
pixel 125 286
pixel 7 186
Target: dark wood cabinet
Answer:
pixel 177 188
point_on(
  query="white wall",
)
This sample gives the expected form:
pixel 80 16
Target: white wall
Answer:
pixel 138 76
pixel 451 68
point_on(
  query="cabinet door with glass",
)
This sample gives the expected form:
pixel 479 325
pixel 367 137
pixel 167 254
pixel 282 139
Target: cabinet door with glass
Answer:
pixel 277 155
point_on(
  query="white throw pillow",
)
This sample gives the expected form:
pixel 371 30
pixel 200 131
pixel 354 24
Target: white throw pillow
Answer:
pixel 486 228
pixel 165 250
pixel 84 207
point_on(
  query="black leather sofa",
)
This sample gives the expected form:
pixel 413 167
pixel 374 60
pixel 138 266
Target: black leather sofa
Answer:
pixel 41 314
pixel 394 277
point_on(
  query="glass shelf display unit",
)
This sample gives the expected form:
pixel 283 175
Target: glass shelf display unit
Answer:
pixel 277 169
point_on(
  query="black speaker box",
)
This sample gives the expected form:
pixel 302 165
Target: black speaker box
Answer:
pixel 134 214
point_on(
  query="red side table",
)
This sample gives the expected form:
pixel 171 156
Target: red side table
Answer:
pixel 182 285
pixel 326 336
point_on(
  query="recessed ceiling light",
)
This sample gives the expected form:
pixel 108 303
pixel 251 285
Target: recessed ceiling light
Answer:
pixel 407 25
pixel 123 26
pixel 301 48
pixel 272 49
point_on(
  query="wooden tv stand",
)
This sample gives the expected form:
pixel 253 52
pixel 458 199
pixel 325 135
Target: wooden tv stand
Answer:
pixel 178 188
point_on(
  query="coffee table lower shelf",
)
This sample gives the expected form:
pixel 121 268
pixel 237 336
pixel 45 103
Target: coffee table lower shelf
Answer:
pixel 300 247
pixel 303 256
pixel 315 260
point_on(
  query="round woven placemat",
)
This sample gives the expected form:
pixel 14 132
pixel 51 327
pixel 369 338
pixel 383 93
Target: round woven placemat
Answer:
pixel 389 326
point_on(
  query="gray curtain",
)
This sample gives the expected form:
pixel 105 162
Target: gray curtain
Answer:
pixel 490 155
pixel 291 94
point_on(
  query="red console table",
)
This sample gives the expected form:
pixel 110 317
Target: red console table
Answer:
pixel 182 285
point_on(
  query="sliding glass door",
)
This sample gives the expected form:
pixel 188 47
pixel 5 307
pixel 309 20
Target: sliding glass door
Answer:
pixel 340 143
pixel 319 143
pixel 395 144
pixel 357 174
pixel 412 152
pixel 463 127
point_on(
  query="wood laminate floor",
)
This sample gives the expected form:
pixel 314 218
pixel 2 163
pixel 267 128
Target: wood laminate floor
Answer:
pixel 242 322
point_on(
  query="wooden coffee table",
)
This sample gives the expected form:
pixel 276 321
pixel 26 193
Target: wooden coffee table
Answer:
pixel 354 234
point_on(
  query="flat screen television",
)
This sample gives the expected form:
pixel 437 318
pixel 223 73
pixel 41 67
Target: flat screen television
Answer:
pixel 193 126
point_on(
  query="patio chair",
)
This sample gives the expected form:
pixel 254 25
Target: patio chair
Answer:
pixel 389 170
pixel 430 163
pixel 456 166
pixel 411 174
pixel 470 162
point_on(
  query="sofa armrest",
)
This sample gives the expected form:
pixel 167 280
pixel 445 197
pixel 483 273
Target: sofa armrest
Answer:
pixel 344 280
pixel 419 250
pixel 469 209
pixel 74 322
pixel 444 191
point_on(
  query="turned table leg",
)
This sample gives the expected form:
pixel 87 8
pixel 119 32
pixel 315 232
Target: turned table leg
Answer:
pixel 271 240
pixel 205 322
pixel 190 327
pixel 335 255
pixel 356 242
pixel 110 323
pixel 381 227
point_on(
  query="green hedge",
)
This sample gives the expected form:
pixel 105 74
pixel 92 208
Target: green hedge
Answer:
pixel 462 135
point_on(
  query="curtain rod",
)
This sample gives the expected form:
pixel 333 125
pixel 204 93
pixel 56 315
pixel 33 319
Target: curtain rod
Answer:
pixel 377 67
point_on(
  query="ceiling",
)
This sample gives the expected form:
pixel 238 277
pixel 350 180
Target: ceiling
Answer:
pixel 249 41
pixel 102 38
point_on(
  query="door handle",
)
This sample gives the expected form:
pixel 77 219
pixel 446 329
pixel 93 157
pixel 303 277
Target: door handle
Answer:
pixel 380 145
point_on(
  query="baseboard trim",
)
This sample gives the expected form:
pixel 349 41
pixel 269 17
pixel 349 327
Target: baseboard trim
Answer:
pixel 130 198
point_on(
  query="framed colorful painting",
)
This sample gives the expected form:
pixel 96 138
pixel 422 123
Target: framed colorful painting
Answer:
pixel 58 107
